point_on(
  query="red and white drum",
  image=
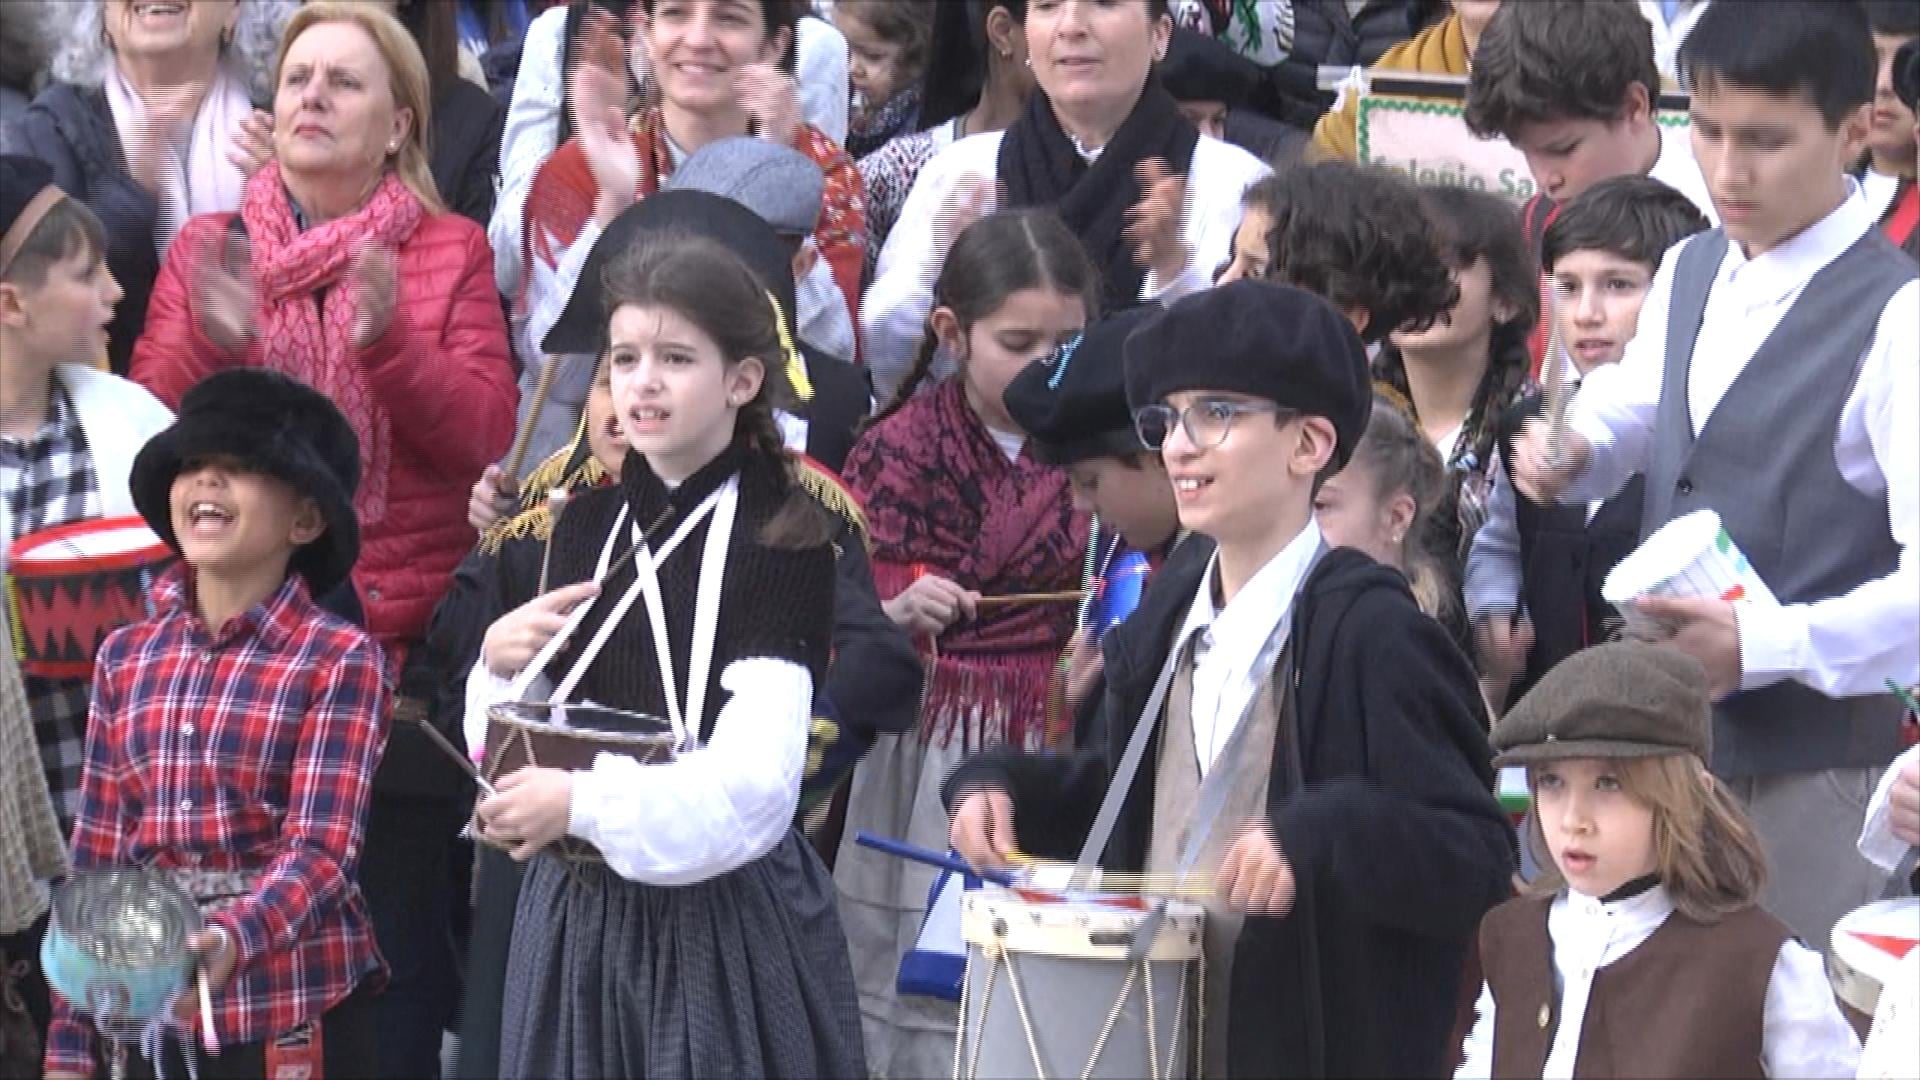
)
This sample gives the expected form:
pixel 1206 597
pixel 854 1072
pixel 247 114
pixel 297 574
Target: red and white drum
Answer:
pixel 1868 945
pixel 69 587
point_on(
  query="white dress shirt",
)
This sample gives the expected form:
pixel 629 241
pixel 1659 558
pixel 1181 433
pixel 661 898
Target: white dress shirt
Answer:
pixel 1879 190
pixel 1237 645
pixel 1803 1031
pixel 893 315
pixel 1677 168
pixel 1840 646
pixel 713 809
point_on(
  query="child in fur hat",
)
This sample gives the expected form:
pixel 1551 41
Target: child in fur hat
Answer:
pixel 1641 951
pixel 233 736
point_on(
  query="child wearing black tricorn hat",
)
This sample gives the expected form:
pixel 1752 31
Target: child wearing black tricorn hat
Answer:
pixel 1641 950
pixel 1356 834
pixel 233 736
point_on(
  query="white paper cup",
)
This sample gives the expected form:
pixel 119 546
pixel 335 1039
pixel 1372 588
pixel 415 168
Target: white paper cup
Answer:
pixel 1690 557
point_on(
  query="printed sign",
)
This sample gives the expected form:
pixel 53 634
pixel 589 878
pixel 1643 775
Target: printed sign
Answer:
pixel 1417 126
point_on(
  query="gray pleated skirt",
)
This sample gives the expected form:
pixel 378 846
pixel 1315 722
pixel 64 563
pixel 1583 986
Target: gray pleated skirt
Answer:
pixel 744 975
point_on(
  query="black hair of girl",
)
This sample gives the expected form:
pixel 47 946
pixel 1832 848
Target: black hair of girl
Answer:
pixel 995 257
pixel 715 290
pixel 957 57
pixel 435 28
pixel 1473 225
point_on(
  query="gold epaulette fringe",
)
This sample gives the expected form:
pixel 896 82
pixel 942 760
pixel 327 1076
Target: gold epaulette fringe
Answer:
pixel 535 518
pixel 827 490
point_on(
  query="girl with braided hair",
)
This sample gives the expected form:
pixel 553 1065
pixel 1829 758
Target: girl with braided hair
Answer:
pixel 702 938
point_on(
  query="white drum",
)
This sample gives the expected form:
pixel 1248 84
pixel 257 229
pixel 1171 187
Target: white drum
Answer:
pixel 1048 992
pixel 1868 944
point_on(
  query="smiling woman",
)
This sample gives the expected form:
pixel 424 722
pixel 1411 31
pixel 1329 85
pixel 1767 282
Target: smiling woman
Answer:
pixel 1101 143
pixel 152 122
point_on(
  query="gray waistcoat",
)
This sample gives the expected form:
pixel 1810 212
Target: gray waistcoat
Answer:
pixel 1764 461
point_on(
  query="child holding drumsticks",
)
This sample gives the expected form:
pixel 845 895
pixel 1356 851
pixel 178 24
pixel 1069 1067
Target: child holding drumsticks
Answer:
pixel 1356 832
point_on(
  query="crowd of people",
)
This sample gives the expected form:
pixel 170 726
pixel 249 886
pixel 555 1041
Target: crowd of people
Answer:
pixel 607 455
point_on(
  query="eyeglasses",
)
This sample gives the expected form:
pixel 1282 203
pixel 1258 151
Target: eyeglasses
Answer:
pixel 1206 423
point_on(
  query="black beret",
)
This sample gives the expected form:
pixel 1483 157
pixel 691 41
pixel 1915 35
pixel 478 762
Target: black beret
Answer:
pixel 1073 404
pixel 1624 699
pixel 1200 67
pixel 1262 339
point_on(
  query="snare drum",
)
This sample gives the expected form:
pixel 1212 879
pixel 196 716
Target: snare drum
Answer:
pixel 69 587
pixel 524 733
pixel 1048 992
pixel 1868 943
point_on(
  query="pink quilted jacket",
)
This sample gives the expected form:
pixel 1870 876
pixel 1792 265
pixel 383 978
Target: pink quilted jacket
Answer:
pixel 443 370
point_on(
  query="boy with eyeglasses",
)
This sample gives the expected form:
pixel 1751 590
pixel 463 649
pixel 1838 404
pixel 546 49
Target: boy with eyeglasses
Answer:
pixel 1317 746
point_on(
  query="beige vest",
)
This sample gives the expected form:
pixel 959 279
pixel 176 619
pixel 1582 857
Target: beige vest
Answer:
pixel 1175 793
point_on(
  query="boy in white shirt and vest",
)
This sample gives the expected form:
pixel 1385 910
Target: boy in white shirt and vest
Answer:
pixel 1773 380
pixel 1317 741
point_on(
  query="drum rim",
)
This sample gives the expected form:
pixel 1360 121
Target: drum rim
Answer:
pixel 1029 936
pixel 536 727
pixel 121 560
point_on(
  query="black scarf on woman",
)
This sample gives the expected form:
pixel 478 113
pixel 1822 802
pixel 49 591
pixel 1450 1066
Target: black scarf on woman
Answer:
pixel 1039 166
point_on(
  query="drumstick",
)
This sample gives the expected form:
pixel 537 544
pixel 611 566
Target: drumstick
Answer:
pixel 208 1038
pixel 1557 394
pixel 556 499
pixel 916 853
pixel 441 743
pixel 1010 599
pixel 518 455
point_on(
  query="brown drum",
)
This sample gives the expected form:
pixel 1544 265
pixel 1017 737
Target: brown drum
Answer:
pixel 523 733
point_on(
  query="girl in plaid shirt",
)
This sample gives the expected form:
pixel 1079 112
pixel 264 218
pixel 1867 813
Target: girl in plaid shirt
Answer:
pixel 233 737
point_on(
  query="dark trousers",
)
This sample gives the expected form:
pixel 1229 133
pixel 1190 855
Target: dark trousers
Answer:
pixel 26 1007
pixel 496 894
pixel 406 878
pixel 347 1050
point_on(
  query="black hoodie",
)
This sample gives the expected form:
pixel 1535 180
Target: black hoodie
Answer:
pixel 1386 815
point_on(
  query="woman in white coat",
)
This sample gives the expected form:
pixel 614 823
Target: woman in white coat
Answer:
pixel 1103 144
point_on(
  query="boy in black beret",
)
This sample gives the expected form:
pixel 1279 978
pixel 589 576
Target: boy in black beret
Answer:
pixel 1317 746
pixel 233 736
pixel 1073 407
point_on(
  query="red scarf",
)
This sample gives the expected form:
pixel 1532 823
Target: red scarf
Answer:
pixel 942 498
pixel 309 336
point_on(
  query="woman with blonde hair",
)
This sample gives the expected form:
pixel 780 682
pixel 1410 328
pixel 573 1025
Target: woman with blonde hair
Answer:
pixel 344 270
pixel 152 120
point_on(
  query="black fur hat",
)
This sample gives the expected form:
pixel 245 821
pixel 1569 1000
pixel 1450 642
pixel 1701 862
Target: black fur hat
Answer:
pixel 280 426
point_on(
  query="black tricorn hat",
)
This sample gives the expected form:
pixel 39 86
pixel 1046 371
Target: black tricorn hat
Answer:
pixel 280 426
pixel 582 326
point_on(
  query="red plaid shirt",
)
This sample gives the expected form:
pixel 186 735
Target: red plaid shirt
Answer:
pixel 251 751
